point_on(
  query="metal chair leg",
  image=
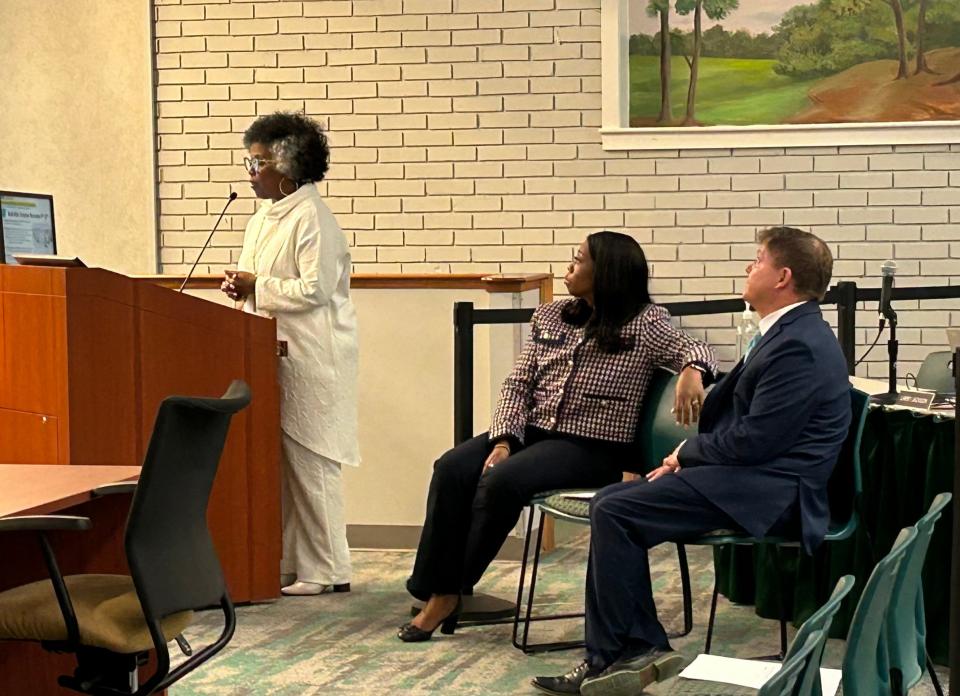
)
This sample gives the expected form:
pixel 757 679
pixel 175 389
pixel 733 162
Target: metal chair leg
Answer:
pixel 783 608
pixel 896 683
pixel 713 615
pixel 687 593
pixel 933 676
pixel 521 639
pixel 783 639
pixel 523 574
pixel 533 585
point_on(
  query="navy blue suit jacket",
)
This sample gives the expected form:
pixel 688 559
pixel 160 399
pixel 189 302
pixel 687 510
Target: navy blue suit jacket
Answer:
pixel 771 429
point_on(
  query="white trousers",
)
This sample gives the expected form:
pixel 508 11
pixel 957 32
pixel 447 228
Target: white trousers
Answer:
pixel 314 530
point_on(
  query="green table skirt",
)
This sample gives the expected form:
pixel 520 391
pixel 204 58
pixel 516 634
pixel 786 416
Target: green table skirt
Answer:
pixel 906 460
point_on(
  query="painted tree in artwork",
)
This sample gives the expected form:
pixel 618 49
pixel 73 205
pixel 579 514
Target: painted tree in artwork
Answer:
pixel 896 6
pixel 661 8
pixel 921 31
pixel 715 10
pixel 942 13
pixel 901 37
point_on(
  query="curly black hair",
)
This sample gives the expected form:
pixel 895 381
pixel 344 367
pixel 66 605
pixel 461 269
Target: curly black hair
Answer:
pixel 297 142
pixel 620 290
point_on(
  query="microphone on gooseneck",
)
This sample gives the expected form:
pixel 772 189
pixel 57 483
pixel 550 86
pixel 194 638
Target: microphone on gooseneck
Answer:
pixel 888 270
pixel 230 199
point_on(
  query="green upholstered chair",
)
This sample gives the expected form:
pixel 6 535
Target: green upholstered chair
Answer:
pixel 844 489
pixel 112 622
pixel 906 628
pixel 936 372
pixel 866 665
pixel 657 436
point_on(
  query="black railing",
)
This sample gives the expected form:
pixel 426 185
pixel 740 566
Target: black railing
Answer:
pixel 845 295
pixel 954 642
pixel 955 550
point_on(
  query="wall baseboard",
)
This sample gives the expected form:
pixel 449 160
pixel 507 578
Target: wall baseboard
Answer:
pixel 406 538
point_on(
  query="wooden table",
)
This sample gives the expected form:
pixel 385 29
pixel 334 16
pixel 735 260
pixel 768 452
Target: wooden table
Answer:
pixel 36 489
pixel 28 489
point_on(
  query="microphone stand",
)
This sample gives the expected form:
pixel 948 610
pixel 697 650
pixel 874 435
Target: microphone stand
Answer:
pixel 893 348
pixel 230 199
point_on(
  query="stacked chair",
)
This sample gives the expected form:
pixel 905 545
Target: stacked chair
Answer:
pixel 801 663
pixel 905 630
pixel 114 623
pixel 885 647
pixel 797 669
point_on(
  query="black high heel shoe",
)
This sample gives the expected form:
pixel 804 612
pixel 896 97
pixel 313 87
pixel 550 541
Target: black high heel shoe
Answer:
pixel 409 633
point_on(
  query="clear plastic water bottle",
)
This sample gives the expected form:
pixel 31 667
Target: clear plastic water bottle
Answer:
pixel 747 328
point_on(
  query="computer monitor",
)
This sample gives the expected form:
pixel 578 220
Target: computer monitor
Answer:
pixel 26 225
pixel 953 338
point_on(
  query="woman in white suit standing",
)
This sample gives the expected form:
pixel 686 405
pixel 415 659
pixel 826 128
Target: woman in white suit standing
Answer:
pixel 295 267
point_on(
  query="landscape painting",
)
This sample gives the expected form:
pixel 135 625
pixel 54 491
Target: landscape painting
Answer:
pixel 768 62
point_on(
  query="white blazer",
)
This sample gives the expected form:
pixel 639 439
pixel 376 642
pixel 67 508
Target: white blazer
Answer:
pixel 302 263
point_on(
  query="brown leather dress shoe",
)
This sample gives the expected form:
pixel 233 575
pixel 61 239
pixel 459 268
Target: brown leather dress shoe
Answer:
pixel 633 675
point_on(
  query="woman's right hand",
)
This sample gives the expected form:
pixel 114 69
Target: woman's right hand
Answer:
pixel 228 287
pixel 499 453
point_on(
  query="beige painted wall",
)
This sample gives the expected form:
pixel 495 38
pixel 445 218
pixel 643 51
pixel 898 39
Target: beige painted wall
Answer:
pixel 406 392
pixel 76 121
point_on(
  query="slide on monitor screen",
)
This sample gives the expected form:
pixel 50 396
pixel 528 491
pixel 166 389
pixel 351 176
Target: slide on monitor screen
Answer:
pixel 26 225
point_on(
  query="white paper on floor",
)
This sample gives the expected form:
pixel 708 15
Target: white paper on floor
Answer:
pixel 749 673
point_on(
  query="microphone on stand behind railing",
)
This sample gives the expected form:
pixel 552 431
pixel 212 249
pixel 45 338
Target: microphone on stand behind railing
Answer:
pixel 230 199
pixel 887 315
pixel 888 270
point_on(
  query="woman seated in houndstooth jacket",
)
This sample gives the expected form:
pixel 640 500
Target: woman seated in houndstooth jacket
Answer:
pixel 566 419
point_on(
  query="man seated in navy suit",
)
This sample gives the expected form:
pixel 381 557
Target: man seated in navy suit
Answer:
pixel 769 436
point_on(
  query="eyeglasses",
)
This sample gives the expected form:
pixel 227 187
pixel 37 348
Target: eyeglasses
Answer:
pixel 253 165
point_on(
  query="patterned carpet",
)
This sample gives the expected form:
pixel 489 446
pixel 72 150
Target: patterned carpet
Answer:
pixel 346 644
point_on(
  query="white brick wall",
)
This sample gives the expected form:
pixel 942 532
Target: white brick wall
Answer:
pixel 464 137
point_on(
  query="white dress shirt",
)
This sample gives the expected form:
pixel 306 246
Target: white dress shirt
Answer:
pixel 767 322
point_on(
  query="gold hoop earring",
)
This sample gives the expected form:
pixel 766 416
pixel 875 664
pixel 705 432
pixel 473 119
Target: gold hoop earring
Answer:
pixel 296 185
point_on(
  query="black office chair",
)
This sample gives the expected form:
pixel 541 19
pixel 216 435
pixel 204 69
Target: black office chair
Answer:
pixel 111 622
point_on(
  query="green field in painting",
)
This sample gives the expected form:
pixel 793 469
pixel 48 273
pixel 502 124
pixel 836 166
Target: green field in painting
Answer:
pixel 730 91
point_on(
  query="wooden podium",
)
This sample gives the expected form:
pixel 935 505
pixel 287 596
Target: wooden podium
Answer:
pixel 87 355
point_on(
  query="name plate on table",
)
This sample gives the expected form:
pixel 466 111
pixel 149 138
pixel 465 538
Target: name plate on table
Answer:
pixel 915 399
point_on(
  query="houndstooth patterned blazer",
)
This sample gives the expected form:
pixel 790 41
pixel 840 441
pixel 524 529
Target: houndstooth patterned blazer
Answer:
pixel 564 383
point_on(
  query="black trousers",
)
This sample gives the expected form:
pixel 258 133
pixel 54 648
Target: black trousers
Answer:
pixel 471 512
pixel 626 520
